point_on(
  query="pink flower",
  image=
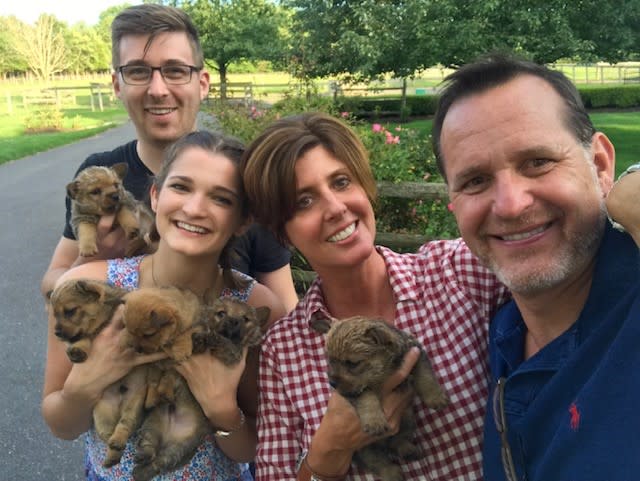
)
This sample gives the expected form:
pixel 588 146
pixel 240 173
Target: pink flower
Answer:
pixel 391 139
pixel 344 115
pixel 376 128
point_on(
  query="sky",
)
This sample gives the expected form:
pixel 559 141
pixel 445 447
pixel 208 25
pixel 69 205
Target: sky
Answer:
pixel 70 11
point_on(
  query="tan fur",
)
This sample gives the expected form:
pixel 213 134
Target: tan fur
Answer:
pixel 82 308
pixel 164 320
pixel 232 325
pixel 120 411
pixel 97 191
pixel 362 354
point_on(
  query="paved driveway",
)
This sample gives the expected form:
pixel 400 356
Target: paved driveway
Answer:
pixel 32 211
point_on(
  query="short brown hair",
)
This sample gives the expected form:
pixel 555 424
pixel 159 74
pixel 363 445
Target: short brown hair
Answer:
pixel 152 19
pixel 497 69
pixel 268 165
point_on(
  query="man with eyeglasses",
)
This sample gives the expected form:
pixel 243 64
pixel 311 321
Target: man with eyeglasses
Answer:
pixel 160 78
pixel 528 177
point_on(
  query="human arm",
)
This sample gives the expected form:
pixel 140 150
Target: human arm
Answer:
pixel 111 244
pixel 224 392
pixel 280 281
pixel 621 203
pixel 71 390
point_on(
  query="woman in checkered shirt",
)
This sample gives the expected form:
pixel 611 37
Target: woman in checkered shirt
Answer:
pixel 308 179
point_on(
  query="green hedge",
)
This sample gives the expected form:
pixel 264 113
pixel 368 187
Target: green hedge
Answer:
pixel 594 97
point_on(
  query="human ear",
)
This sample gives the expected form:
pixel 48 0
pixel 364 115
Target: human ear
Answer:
pixel 153 197
pixel 604 158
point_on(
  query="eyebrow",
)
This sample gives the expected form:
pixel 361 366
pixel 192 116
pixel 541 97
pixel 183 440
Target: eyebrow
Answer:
pixel 216 188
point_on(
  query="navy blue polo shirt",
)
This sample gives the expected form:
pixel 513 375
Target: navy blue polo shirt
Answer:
pixel 573 409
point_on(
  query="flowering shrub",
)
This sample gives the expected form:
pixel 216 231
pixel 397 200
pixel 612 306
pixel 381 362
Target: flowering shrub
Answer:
pixel 397 154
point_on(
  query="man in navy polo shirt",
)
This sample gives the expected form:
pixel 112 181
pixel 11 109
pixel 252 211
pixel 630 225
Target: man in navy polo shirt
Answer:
pixel 527 175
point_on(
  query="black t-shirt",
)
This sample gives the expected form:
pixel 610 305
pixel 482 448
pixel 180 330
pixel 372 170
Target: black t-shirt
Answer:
pixel 256 251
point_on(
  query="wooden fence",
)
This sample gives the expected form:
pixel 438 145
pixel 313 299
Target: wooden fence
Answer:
pixel 393 240
pixel 99 95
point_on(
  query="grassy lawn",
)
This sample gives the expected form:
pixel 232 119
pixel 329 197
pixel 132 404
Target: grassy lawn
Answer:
pixel 78 123
pixel 622 128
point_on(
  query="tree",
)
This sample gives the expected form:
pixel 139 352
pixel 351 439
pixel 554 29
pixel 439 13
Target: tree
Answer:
pixel 87 50
pixel 42 46
pixel 236 30
pixel 10 59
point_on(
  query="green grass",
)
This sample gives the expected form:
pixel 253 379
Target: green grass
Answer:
pixel 623 128
pixel 78 123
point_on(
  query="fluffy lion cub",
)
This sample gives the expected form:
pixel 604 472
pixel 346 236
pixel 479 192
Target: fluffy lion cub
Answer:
pixel 164 319
pixel 97 191
pixel 362 353
pixel 231 326
pixel 82 308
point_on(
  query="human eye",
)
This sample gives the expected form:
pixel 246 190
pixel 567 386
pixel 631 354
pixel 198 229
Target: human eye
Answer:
pixel 178 186
pixel 175 72
pixel 473 185
pixel 303 202
pixel 341 182
pixel 538 165
pixel 222 200
pixel 137 72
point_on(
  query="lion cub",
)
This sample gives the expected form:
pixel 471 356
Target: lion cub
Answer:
pixel 164 319
pixel 98 191
pixel 82 308
pixel 231 325
pixel 362 353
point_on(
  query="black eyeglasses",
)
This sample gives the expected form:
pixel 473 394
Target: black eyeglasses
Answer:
pixel 172 74
pixel 500 419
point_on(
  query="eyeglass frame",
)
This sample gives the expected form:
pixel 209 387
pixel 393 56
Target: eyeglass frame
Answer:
pixel 192 69
pixel 500 421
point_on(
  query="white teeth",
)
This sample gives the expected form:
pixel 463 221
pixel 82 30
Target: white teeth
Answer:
pixel 524 235
pixel 160 111
pixel 343 234
pixel 191 228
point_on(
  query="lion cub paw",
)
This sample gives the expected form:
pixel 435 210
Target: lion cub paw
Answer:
pixel 76 354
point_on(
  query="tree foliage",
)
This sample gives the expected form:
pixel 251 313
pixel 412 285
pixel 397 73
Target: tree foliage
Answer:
pixel 42 46
pixel 365 38
pixel 237 30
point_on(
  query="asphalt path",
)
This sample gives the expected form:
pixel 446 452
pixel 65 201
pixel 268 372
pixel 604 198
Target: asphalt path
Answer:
pixel 32 193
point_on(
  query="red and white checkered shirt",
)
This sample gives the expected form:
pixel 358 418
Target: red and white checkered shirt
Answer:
pixel 444 298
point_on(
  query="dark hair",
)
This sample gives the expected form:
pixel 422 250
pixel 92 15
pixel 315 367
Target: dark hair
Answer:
pixel 217 143
pixel 152 19
pixel 497 69
pixel 268 165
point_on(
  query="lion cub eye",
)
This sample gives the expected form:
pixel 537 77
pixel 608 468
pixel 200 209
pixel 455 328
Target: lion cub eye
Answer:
pixel 69 312
pixel 351 364
pixel 95 191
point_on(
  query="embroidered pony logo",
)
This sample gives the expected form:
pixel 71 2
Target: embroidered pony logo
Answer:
pixel 575 417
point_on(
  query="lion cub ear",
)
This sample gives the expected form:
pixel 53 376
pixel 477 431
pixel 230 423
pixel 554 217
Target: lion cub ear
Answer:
pixel 262 315
pixel 72 189
pixel 320 324
pixel 89 290
pixel 380 335
pixel 121 169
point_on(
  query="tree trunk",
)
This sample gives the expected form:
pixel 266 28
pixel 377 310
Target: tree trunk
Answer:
pixel 222 69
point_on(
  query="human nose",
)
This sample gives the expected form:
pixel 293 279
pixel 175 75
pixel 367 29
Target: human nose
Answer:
pixel 334 206
pixel 512 196
pixel 157 86
pixel 194 205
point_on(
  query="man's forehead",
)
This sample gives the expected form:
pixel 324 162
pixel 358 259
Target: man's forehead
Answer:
pixel 168 45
